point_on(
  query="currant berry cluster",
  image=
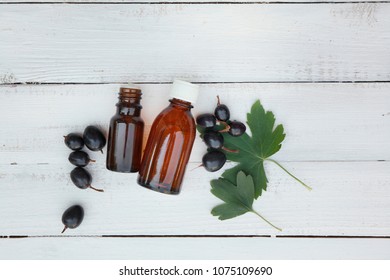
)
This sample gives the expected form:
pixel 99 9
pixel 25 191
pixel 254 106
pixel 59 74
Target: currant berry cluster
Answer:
pixel 214 126
pixel 94 139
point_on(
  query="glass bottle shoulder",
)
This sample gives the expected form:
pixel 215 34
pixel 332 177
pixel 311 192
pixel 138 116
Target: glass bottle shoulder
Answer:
pixel 173 117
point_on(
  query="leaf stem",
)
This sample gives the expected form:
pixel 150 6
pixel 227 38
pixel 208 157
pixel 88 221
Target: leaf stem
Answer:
pixel 285 170
pixel 264 219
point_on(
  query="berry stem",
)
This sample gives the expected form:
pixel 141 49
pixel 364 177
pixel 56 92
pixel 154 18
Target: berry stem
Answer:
pixel 101 151
pixel 285 170
pixel 196 167
pixel 219 101
pixel 229 150
pixel 92 160
pixel 65 228
pixel 98 190
pixel 227 127
pixel 264 219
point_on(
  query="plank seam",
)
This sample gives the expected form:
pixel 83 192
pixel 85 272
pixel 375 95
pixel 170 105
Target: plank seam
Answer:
pixel 200 83
pixel 199 236
pixel 196 3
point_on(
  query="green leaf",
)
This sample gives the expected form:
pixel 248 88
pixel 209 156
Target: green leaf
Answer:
pixel 246 188
pixel 224 190
pixel 238 197
pixel 253 150
pixel 266 139
pixel 227 211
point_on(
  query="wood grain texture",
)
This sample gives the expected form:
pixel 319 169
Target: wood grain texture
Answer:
pixel 164 2
pixel 323 122
pixel 349 198
pixel 195 248
pixel 337 134
pixel 209 43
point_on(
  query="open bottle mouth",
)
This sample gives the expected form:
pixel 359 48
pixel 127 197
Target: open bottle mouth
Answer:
pixel 130 92
pixel 131 96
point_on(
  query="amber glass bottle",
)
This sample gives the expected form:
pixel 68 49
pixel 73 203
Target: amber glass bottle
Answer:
pixel 124 147
pixel 170 142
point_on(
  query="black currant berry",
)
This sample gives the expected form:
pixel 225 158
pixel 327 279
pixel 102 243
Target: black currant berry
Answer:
pixel 222 113
pixel 82 179
pixel 74 141
pixel 79 158
pixel 213 160
pixel 72 217
pixel 236 128
pixel 213 139
pixel 206 120
pixel 94 139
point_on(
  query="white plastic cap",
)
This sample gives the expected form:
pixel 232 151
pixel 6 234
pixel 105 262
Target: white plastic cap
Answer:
pixel 184 91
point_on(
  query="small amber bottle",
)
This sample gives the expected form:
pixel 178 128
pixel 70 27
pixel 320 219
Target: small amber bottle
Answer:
pixel 170 142
pixel 124 148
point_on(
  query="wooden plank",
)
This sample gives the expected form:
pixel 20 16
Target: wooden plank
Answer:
pixel 195 248
pixel 184 1
pixel 209 43
pixel 349 198
pixel 322 121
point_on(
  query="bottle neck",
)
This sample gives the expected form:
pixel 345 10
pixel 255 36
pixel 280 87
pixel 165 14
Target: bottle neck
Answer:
pixel 180 104
pixel 129 102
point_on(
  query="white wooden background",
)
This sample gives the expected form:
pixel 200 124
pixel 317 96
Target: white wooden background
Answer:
pixel 322 67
